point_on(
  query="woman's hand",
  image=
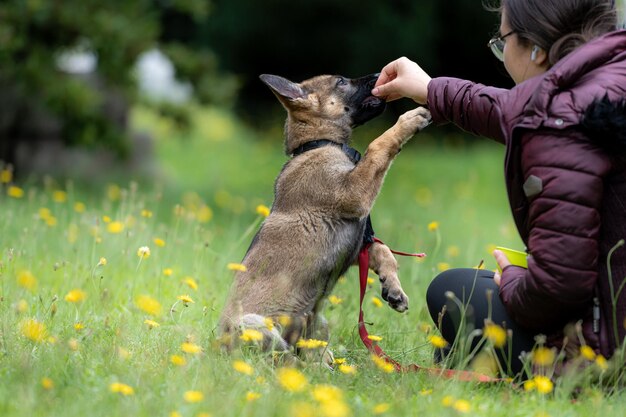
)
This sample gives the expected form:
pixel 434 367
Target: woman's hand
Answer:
pixel 502 262
pixel 402 78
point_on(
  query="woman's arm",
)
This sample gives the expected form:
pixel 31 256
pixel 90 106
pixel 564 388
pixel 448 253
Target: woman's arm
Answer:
pixel 473 107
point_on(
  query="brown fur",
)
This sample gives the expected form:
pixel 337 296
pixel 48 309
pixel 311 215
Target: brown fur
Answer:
pixel 322 199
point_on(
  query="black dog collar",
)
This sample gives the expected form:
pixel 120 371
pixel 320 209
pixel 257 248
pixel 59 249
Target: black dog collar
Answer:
pixel 351 153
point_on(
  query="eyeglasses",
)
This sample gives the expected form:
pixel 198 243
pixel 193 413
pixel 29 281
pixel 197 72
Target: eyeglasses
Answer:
pixel 496 44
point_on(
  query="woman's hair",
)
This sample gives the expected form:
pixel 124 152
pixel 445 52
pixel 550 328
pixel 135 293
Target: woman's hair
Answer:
pixel 559 26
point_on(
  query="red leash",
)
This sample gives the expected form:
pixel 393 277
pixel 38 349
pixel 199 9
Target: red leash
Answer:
pixel 374 348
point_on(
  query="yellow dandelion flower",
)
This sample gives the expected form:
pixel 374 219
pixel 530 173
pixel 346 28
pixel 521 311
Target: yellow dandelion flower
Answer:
pixel 115 227
pixel 193 396
pixel 151 323
pixel 73 344
pixel 204 414
pixel 334 300
pixel 339 361
pixel 79 326
pixel 15 192
pixel 148 305
pixel 260 380
pixel 185 299
pixel 59 196
pixel 376 301
pixel 462 406
pixel 495 334
pixel 237 267
pixel 432 226
pixel 602 363
pixel 324 393
pixel 284 320
pixel 374 338
pixel 6 176
pixel 102 261
pixel 178 360
pixel 47 383
pixel 75 296
pixel 51 221
pixel 529 385
pixel 543 384
pixel 587 352
pixel 27 280
pixel 143 252
pixel 21 306
pixel 381 408
pixel 335 408
pixel 347 369
pixel 204 214
pixel 146 213
pixel 159 242
pixel 447 401
pixel 291 379
pixel 243 367
pixel 251 335
pixel 543 356
pixel 370 281
pixel 192 348
pixel 175 414
pixel 44 213
pixel 426 391
pixel 263 210
pixel 106 219
pixel 79 207
pixel 437 341
pixel 168 272
pixel 311 343
pixel 382 364
pixel 443 266
pixel 269 323
pixel 34 330
pixel 119 388
pixel 191 283
pixel 252 396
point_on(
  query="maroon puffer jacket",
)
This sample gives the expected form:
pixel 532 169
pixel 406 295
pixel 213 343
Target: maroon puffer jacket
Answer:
pixel 566 188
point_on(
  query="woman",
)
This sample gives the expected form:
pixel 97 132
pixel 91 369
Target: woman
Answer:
pixel 565 173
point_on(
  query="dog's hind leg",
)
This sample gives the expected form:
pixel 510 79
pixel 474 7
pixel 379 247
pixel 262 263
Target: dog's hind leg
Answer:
pixel 382 261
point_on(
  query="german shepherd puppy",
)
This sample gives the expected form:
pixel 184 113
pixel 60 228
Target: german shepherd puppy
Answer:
pixel 322 201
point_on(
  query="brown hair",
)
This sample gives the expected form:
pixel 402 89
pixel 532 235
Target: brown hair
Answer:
pixel 559 26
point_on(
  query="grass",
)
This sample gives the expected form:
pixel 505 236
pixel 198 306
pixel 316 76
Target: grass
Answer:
pixel 107 350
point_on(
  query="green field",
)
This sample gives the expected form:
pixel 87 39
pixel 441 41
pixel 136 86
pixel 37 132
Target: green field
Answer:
pixel 92 326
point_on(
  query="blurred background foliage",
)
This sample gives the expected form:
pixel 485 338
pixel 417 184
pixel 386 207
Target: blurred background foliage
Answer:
pixel 217 48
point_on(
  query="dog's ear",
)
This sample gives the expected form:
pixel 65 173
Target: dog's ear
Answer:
pixel 287 92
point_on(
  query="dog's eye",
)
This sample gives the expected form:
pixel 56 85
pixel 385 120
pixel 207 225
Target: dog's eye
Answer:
pixel 341 81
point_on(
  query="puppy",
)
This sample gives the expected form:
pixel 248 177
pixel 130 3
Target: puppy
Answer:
pixel 320 214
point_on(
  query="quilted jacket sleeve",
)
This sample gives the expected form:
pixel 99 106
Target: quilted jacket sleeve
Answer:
pixel 473 107
pixel 563 205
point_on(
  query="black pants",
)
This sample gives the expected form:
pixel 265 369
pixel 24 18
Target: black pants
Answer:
pixel 471 287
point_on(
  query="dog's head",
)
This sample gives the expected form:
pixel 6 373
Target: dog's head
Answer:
pixel 328 101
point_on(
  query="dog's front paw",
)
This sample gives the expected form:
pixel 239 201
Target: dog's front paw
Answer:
pixel 412 122
pixel 396 298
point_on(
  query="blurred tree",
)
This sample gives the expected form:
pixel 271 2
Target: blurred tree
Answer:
pixel 302 38
pixel 40 42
